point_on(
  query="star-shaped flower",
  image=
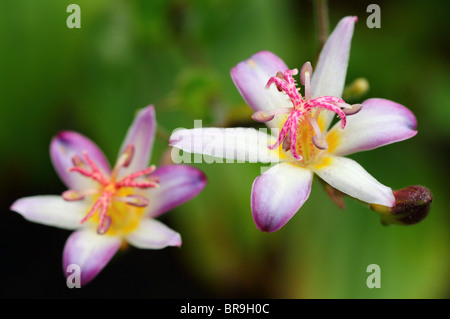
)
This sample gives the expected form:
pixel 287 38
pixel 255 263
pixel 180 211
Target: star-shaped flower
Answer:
pixel 302 140
pixel 109 207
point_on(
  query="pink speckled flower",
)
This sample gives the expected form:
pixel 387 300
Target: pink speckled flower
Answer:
pixel 305 144
pixel 108 207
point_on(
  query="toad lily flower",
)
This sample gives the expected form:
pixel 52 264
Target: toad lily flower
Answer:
pixel 305 144
pixel 110 207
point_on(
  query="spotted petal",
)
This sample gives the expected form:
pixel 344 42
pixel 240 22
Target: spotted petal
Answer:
pixel 67 144
pixel 141 135
pixel 328 77
pixel 251 76
pixel 51 210
pixel 278 194
pixel 177 185
pixel 352 179
pixel 152 234
pixel 380 122
pixel 89 251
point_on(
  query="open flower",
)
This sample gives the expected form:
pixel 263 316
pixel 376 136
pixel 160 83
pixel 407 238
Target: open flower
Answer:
pixel 108 207
pixel 305 144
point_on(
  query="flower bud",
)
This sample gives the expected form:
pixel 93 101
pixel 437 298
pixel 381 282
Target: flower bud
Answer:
pixel 412 205
pixel 356 89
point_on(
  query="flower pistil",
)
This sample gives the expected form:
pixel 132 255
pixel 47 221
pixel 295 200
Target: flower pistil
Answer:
pixel 301 133
pixel 110 189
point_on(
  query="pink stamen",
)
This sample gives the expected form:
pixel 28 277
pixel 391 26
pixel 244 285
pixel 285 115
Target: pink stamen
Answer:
pixel 143 172
pixel 94 175
pixel 284 131
pixel 105 198
pixel 288 86
pixel 331 107
pixel 293 132
pixel 109 186
pixel 93 210
pixel 301 106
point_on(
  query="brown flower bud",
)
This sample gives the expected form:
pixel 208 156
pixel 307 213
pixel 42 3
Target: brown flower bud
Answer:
pixel 412 205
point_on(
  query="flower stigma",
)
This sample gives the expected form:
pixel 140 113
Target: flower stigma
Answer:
pixel 301 132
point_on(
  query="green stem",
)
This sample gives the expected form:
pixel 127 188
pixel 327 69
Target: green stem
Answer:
pixel 321 8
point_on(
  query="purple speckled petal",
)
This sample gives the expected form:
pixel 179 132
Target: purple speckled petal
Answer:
pixel 142 135
pixel 380 122
pixel 89 251
pixel 67 144
pixel 51 210
pixel 152 234
pixel 278 194
pixel 177 185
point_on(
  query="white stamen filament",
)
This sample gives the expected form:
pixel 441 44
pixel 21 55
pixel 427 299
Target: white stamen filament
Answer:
pixel 317 139
pixel 305 79
pixel 134 200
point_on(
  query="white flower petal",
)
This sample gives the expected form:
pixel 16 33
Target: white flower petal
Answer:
pixel 278 194
pixel 51 210
pixel 380 122
pixel 328 78
pixel 242 144
pixel 152 234
pixel 352 179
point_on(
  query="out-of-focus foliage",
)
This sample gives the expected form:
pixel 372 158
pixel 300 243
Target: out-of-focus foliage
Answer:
pixel 177 55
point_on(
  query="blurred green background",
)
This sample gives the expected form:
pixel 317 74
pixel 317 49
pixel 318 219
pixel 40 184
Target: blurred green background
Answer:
pixel 177 55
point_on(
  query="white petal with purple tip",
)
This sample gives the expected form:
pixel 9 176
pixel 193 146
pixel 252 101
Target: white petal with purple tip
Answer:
pixel 67 144
pixel 251 76
pixel 177 185
pixel 141 135
pixel 278 194
pixel 328 78
pixel 152 234
pixel 380 122
pixel 349 177
pixel 51 210
pixel 90 251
